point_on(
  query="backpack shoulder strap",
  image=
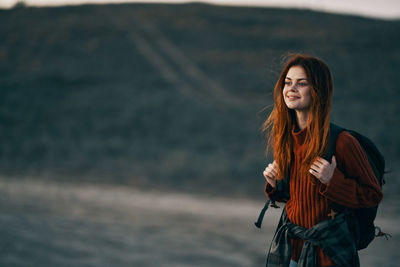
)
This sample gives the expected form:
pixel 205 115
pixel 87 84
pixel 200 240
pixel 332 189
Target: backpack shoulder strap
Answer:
pixel 334 131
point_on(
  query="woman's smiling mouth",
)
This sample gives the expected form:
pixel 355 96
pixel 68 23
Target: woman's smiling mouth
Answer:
pixel 292 97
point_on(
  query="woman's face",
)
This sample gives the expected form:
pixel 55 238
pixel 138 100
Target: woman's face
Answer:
pixel 296 91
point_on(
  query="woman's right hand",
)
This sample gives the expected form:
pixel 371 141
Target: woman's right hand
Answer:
pixel 270 173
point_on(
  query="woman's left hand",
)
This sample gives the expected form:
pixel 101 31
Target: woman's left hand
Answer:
pixel 323 170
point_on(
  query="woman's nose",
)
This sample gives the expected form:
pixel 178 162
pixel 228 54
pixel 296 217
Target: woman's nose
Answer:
pixel 293 87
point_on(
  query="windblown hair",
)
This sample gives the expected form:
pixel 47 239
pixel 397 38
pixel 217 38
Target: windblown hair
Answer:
pixel 281 121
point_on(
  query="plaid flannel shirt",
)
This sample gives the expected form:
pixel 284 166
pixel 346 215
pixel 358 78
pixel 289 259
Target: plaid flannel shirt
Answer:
pixel 332 236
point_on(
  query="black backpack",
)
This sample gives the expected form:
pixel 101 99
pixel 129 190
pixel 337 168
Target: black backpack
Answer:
pixel 361 221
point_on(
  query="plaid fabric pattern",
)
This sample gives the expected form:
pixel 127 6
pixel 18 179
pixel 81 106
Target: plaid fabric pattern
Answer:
pixel 332 236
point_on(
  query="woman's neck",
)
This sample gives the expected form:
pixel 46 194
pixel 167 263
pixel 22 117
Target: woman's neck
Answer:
pixel 301 119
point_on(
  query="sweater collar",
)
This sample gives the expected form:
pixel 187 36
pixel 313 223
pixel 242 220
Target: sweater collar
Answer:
pixel 299 136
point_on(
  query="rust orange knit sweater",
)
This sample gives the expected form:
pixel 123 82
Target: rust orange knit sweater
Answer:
pixel 353 185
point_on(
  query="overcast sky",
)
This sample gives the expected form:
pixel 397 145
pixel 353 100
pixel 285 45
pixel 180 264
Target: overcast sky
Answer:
pixel 373 8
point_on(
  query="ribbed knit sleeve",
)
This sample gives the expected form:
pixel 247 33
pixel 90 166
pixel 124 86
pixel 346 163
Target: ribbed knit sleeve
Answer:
pixel 353 183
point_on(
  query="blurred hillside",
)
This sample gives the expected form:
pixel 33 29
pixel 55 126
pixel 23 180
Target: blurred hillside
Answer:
pixel 172 96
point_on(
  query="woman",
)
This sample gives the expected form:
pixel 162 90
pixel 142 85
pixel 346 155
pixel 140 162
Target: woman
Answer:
pixel 298 132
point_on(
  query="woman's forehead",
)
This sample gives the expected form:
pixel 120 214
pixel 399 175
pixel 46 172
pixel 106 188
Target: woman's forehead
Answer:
pixel 297 73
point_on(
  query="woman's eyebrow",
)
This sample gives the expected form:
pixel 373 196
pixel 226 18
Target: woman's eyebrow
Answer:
pixel 297 79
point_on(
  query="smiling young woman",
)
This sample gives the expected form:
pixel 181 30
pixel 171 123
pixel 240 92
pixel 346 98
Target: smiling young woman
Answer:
pixel 298 132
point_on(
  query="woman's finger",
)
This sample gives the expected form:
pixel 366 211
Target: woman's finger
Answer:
pixel 269 175
pixel 321 162
pixel 316 166
pixel 271 181
pixel 315 173
pixel 334 161
pixel 274 171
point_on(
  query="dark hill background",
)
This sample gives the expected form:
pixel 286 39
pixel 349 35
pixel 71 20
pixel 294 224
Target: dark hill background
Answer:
pixel 172 96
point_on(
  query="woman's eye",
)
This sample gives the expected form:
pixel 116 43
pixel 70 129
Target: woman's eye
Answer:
pixel 303 84
pixel 288 83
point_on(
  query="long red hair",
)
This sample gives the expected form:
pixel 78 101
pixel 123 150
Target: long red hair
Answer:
pixel 279 124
